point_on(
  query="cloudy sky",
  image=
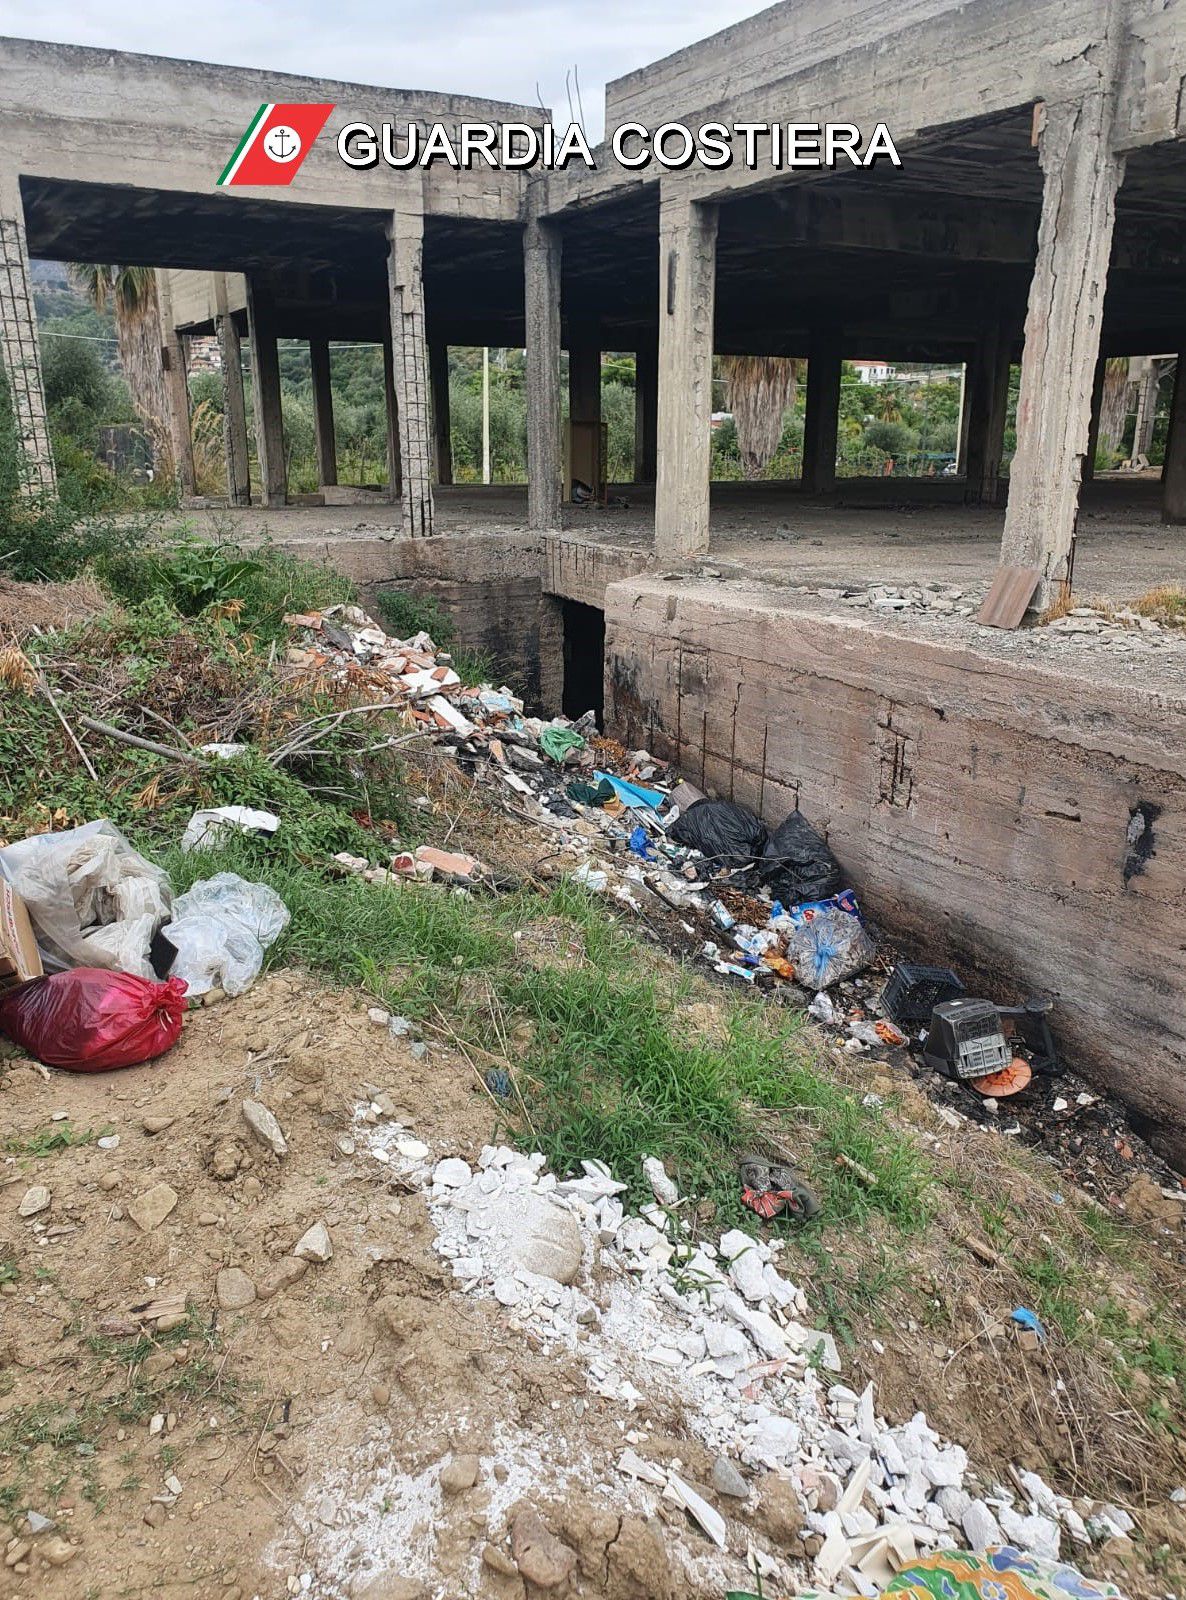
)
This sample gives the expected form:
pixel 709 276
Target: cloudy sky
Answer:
pixel 500 48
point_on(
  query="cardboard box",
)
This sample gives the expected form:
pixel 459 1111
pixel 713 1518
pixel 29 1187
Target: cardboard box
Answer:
pixel 20 958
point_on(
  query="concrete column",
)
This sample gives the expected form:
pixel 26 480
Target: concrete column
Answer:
pixel 323 413
pixel 176 369
pixel 395 475
pixel 821 420
pixel 1147 389
pixel 234 408
pixel 687 300
pixel 584 371
pixel 541 273
pixel 987 403
pixel 1062 339
pixel 438 375
pixel 409 353
pixel 265 396
pixel 646 401
pixel 20 354
pixel 1093 427
pixel 1173 472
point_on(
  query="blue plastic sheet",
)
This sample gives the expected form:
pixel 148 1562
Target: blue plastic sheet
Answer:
pixel 632 794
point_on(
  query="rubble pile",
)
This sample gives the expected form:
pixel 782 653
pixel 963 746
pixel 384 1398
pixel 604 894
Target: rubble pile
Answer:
pixel 657 1319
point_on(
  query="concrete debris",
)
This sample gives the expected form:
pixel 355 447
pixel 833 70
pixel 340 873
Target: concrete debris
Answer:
pixel 264 1126
pixel 717 1329
pixel 149 1210
pixel 314 1244
pixel 36 1199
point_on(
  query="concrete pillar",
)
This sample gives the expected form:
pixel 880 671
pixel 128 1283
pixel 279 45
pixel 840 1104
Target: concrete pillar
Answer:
pixel 20 354
pixel 438 375
pixel 687 299
pixel 395 476
pixel 234 408
pixel 176 369
pixel 1147 390
pixel 1093 427
pixel 541 272
pixel 646 401
pixel 409 355
pixel 987 404
pixel 323 413
pixel 821 420
pixel 584 371
pixel 1173 472
pixel 1062 339
pixel 265 395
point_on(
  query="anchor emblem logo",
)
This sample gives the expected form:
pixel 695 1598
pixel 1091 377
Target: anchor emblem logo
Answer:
pixel 282 143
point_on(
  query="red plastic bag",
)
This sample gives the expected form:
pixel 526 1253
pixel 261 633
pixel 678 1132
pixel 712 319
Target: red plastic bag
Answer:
pixel 90 1020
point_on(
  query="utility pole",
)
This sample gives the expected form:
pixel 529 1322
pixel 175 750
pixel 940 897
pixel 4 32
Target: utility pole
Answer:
pixel 485 414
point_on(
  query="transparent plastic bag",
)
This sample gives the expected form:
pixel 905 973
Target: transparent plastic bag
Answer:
pixel 833 945
pixel 92 899
pixel 221 929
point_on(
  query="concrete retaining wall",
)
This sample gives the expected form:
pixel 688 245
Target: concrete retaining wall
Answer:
pixel 982 808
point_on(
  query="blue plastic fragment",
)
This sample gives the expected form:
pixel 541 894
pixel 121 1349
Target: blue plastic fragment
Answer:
pixel 632 794
pixel 641 844
pixel 1029 1319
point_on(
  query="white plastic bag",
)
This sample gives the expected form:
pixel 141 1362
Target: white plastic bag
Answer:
pixel 208 830
pixel 221 929
pixel 92 899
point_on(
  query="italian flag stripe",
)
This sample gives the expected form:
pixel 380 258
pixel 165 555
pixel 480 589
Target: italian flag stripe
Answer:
pixel 236 161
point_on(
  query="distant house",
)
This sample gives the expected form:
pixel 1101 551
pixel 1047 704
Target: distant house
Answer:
pixel 873 371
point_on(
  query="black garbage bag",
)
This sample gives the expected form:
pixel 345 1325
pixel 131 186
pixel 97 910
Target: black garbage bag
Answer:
pixel 797 865
pixel 726 834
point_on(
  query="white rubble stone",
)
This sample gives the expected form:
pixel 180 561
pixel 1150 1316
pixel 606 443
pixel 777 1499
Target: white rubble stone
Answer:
pixel 981 1528
pixel 745 1265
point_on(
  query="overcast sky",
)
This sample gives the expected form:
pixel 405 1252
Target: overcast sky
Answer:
pixel 500 48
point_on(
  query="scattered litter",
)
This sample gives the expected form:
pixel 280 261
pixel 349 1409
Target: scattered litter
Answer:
pixel 207 830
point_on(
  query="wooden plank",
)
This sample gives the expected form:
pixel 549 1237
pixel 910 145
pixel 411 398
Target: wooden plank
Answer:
pixel 1010 595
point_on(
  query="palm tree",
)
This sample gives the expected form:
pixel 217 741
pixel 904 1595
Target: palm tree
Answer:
pixel 888 409
pixel 1113 406
pixel 132 294
pixel 760 390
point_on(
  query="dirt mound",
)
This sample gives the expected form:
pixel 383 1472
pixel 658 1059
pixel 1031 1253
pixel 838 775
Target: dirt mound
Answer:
pixel 192 1405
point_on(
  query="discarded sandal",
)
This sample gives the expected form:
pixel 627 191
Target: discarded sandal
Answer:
pixel 772 1189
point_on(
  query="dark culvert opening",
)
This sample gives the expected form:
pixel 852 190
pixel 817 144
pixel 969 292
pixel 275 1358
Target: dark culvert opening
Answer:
pixel 584 660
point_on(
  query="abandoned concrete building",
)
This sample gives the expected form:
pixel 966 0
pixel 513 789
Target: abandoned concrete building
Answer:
pixel 1018 807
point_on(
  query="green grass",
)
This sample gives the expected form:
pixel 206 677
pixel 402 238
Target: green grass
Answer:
pixel 614 1070
pixel 55 1137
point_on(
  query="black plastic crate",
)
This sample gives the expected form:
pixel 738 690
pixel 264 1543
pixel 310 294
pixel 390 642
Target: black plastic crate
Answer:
pixel 913 991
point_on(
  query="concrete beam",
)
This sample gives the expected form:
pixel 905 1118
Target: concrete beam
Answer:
pixel 821 419
pixel 541 269
pixel 1062 339
pixel 409 354
pixel 20 353
pixel 438 377
pixel 646 402
pixel 1173 472
pixel 324 441
pixel 234 410
pixel 687 295
pixel 265 396
pixel 987 404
